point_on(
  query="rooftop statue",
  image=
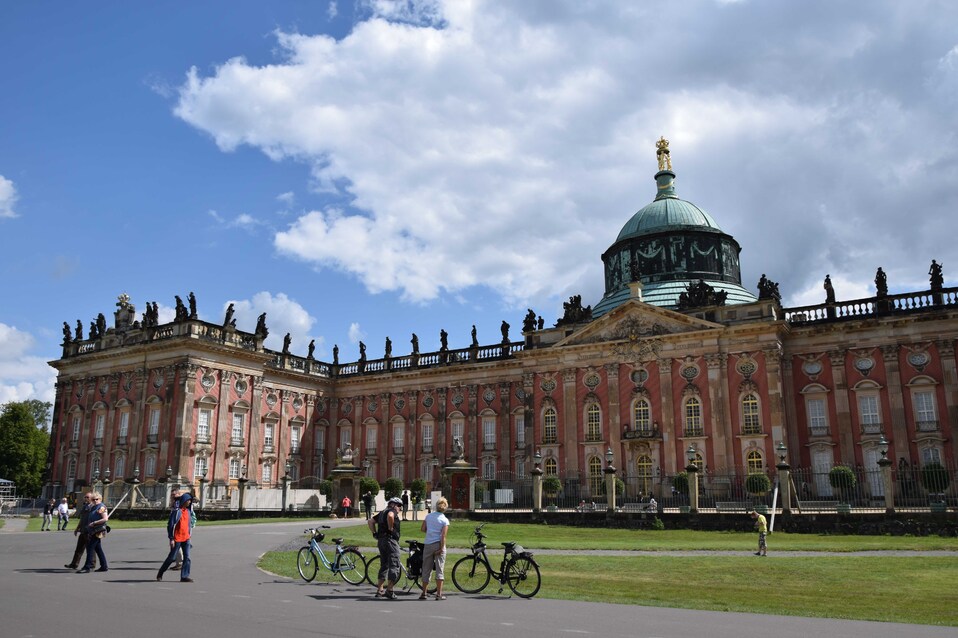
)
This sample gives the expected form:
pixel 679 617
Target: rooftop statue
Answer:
pixel 504 328
pixel 335 355
pixel 415 343
pixel 881 283
pixel 228 321
pixel 529 322
pixel 443 340
pixel 829 290
pixel 574 312
pixel 663 155
pixel 181 312
pixel 936 278
pixel 541 324
pixel 389 347
pixel 261 329
pixel 311 349
pixel 768 289
pixel 67 334
pixel 79 333
pixel 100 324
pixel 192 300
pixel 475 340
pixel 287 341
pixel 700 294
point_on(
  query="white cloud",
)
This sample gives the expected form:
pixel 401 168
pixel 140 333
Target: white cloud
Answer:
pixel 502 145
pixel 332 10
pixel 283 315
pixel 356 333
pixel 8 197
pixel 23 375
pixel 287 199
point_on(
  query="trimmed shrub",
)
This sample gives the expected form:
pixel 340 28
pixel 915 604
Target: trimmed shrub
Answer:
pixel 417 489
pixel 681 483
pixel 392 487
pixel 369 484
pixel 934 478
pixel 842 478
pixel 757 483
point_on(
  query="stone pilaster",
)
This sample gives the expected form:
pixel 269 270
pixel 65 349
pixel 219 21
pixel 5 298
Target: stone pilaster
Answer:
pixel 668 425
pixel 949 377
pixel 843 428
pixel 896 426
pixel 569 425
pixel 723 451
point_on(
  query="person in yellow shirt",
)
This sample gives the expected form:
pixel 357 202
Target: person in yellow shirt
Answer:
pixel 762 526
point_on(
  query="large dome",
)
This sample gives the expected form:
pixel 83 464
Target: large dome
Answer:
pixel 668 245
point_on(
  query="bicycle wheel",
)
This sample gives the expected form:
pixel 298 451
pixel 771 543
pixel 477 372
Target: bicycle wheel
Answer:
pixel 352 567
pixel 372 570
pixel 306 562
pixel 522 573
pixel 470 575
pixel 432 584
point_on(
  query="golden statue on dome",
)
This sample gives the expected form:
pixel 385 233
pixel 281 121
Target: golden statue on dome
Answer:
pixel 662 153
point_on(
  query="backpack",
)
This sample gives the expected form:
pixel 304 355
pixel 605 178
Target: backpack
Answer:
pixel 414 564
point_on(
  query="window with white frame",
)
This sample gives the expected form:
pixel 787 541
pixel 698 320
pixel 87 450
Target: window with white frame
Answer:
pixel 319 439
pixel 154 427
pixel 372 434
pixel 458 429
pixel 489 469
pixel 234 468
pixel 520 468
pixel 295 434
pixel 268 433
pixel 693 417
pixel 72 468
pixel 100 427
pixel 593 418
pixel 930 455
pixel 345 437
pixel 398 438
pixel 520 421
pixel 489 432
pixel 203 425
pixel 427 436
pixel 236 432
pixel 642 416
pixel 751 421
pixel 926 415
pixel 817 417
pixel 76 428
pixel 754 462
pixel 95 466
pixel 267 473
pixel 595 475
pixel 869 414
pixel 397 470
pixel 124 424
pixel 549 425
pixel 150 463
pixel 119 468
pixel 643 467
pixel 200 466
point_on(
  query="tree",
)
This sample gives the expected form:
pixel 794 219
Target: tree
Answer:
pixel 23 445
pixel 842 478
pixel 551 485
pixel 392 487
pixel 369 484
pixel 417 489
pixel 934 478
pixel 757 483
pixel 681 483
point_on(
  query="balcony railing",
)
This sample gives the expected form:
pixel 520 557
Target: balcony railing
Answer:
pixel 121 440
pixel 203 438
pixel 371 451
pixel 294 449
pixel 489 445
pixel 927 426
pixel 268 448
pixel 427 449
pixel 236 441
pixel 398 449
pixel 593 438
pixel 752 430
pixel 872 428
pixel 549 440
pixel 694 431
pixel 74 444
pixel 641 433
pixel 152 438
pixel 818 430
pixel 98 442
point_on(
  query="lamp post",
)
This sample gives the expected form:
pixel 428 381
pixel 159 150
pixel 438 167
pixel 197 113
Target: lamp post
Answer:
pixel 366 466
pixel 884 463
pixel 435 469
pixel 610 479
pixel 242 481
pixel 106 483
pixel 784 478
pixel 202 491
pixel 693 472
pixel 169 485
pixel 537 482
pixel 133 482
pixel 286 485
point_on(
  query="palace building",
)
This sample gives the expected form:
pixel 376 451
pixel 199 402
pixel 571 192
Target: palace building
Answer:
pixel 678 362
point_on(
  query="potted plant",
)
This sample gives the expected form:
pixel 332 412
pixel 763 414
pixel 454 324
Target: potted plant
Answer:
pixel 842 478
pixel 551 486
pixel 417 489
pixel 935 479
pixel 680 485
pixel 758 484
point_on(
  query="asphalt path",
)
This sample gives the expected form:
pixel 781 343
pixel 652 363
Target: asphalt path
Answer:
pixel 231 598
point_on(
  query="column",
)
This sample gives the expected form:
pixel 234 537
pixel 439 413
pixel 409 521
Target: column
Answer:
pixel 614 420
pixel 570 422
pixel 776 400
pixel 722 441
pixel 669 427
pixel 897 429
pixel 949 378
pixel 843 414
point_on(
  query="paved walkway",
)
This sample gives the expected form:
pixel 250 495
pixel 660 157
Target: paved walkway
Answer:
pixel 14 525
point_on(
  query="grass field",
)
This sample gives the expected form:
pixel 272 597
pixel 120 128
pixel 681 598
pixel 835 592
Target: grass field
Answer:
pixel 908 589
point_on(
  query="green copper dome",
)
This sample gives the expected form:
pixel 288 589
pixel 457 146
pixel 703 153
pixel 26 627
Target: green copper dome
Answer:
pixel 667 212
pixel 668 246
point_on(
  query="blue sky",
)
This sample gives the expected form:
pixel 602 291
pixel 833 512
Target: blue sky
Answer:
pixel 367 169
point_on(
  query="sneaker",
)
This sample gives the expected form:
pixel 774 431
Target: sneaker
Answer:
pixel 69 566
pixel 186 580
pixel 85 570
pixel 159 577
pixel 758 553
pixel 390 595
pixel 102 569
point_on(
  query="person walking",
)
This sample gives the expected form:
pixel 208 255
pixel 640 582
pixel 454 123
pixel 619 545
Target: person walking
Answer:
pixel 48 508
pixel 179 529
pixel 81 531
pixel 762 526
pixel 96 530
pixel 435 525
pixel 63 514
pixel 347 503
pixel 368 504
pixel 385 527
pixel 405 503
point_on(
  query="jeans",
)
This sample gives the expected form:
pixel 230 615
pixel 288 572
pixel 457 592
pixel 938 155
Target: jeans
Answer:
pixel 94 545
pixel 177 546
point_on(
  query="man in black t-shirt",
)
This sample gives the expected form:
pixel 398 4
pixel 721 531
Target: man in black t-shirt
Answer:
pixel 385 527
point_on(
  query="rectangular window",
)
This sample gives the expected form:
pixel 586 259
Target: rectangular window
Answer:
pixel 926 417
pixel 594 423
pixel 200 466
pixel 521 468
pixel 151 465
pixel 124 424
pixel 319 439
pixel 294 435
pixel 203 425
pixel 868 413
pixel 930 455
pixel 371 436
pixel 426 436
pixel 817 421
pixel 72 469
pixel 398 438
pixel 267 473
pixel 154 428
pixel 489 472
pixel 458 427
pixel 345 437
pixel 236 433
pixel 100 426
pixel 76 429
pixel 549 428
pixel 397 471
pixel 268 435
pixel 642 417
pixel 489 432
pixel 520 431
pixel 234 468
pixel 119 468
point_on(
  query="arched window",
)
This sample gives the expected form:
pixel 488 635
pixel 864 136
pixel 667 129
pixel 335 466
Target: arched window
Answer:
pixel 751 421
pixel 397 470
pixel 489 469
pixel 551 469
pixel 72 468
pixel 267 473
pixel 643 469
pixel 754 463
pixel 549 425
pixel 119 468
pixel 693 417
pixel 642 416
pixel 593 417
pixel 595 475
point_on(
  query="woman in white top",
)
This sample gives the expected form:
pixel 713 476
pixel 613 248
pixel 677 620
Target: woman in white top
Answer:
pixel 435 525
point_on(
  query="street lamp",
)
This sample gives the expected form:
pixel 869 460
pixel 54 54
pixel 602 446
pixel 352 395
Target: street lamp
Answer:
pixel 202 491
pixel 106 483
pixel 782 451
pixel 366 464
pixel 537 459
pixel 610 479
pixel 286 484
pixel 784 476
pixel 884 463
pixel 693 472
pixel 537 482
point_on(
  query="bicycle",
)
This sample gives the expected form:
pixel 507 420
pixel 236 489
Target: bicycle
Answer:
pixel 518 569
pixel 409 573
pixel 348 562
